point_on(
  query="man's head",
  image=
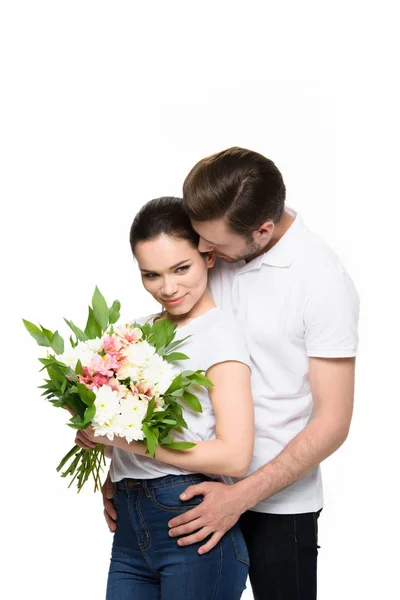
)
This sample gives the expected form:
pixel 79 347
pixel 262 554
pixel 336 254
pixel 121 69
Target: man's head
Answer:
pixel 234 199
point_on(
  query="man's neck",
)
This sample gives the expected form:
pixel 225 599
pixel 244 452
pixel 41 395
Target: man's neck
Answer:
pixel 279 231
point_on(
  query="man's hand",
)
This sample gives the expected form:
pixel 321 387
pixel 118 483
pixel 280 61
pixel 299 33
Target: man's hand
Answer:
pixel 110 513
pixel 219 511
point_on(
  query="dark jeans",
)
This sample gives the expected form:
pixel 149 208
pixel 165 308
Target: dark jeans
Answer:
pixel 283 555
pixel 147 564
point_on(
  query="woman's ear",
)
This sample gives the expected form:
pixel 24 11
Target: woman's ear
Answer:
pixel 210 260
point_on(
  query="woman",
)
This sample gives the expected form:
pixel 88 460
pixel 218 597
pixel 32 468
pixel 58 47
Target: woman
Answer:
pixel 146 563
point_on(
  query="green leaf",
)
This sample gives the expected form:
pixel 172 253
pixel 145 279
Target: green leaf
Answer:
pixel 114 312
pixel 80 335
pixel 168 439
pixel 72 342
pixel 91 396
pixel 100 309
pixel 71 374
pixel 176 343
pixel 179 445
pixel 175 385
pixel 192 401
pixel 150 410
pixel 201 379
pixel 47 333
pixel 87 396
pixel 56 376
pixel 57 343
pixel 177 393
pixel 162 333
pixel 89 414
pixel 168 421
pixel 151 439
pixel 175 356
pixel 92 329
pixel 36 333
pixel 78 368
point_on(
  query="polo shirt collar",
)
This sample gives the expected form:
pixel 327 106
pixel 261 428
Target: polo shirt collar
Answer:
pixel 283 253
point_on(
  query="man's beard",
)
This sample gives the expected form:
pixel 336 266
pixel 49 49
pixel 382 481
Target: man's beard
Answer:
pixel 250 251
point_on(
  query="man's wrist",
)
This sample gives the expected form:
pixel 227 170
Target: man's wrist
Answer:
pixel 243 498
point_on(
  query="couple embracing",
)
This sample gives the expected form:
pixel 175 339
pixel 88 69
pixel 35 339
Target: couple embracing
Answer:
pixel 269 312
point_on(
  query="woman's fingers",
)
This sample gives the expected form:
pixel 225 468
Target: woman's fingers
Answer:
pixel 82 441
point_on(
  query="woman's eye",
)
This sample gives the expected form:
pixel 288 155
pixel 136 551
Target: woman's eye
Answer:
pixel 182 269
pixel 150 275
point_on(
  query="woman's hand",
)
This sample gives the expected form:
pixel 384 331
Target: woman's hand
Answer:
pixel 86 439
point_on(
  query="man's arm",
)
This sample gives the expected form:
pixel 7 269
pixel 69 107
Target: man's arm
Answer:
pixel 332 388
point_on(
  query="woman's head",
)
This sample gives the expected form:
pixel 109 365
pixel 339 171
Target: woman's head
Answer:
pixel 165 246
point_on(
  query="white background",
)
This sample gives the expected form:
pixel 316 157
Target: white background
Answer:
pixel 105 105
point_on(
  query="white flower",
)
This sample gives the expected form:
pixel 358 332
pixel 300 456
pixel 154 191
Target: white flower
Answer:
pixel 159 373
pixel 138 353
pixel 129 370
pixel 129 422
pixel 96 345
pixel 81 352
pixel 109 429
pixel 107 405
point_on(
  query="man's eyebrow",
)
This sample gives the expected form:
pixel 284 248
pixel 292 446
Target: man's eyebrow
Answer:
pixel 171 268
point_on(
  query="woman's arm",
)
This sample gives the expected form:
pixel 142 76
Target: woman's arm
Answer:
pixel 231 452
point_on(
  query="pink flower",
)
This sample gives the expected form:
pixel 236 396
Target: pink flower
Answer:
pixel 112 344
pixel 143 390
pixel 105 365
pixel 90 380
pixel 114 384
pixel 130 334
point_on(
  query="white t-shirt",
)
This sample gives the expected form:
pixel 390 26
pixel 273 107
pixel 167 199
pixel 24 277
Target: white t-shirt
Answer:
pixel 215 338
pixel 295 301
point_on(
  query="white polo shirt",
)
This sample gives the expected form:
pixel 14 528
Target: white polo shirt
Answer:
pixel 295 301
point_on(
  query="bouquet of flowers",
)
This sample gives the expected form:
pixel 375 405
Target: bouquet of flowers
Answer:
pixel 119 378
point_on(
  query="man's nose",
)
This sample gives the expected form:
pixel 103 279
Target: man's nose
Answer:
pixel 205 246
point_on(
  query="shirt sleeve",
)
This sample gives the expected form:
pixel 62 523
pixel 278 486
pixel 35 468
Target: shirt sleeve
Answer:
pixel 227 342
pixel 331 317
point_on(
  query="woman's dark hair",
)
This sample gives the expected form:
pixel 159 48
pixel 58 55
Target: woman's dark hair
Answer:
pixel 241 185
pixel 164 215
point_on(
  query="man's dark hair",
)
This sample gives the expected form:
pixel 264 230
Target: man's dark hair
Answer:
pixel 164 215
pixel 241 185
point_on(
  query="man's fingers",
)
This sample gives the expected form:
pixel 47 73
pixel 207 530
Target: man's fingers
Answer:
pixel 188 528
pixel 108 489
pixel 197 537
pixel 200 489
pixel 186 517
pixel 111 524
pixel 109 508
pixel 212 542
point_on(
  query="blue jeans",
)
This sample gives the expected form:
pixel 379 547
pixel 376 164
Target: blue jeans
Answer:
pixel 147 564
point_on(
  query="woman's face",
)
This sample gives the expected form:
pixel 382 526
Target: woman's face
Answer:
pixel 173 272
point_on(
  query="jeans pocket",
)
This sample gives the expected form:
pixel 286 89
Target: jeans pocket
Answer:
pixel 167 496
pixel 239 545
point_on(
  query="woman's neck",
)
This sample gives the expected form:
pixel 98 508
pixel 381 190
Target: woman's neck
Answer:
pixel 202 306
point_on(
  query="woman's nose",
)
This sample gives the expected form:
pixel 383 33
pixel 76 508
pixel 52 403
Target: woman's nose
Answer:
pixel 169 287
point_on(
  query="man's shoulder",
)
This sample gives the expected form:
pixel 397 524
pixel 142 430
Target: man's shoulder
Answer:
pixel 315 256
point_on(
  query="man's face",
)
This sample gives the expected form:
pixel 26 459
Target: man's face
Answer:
pixel 217 238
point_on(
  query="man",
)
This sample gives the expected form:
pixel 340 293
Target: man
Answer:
pixel 300 309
